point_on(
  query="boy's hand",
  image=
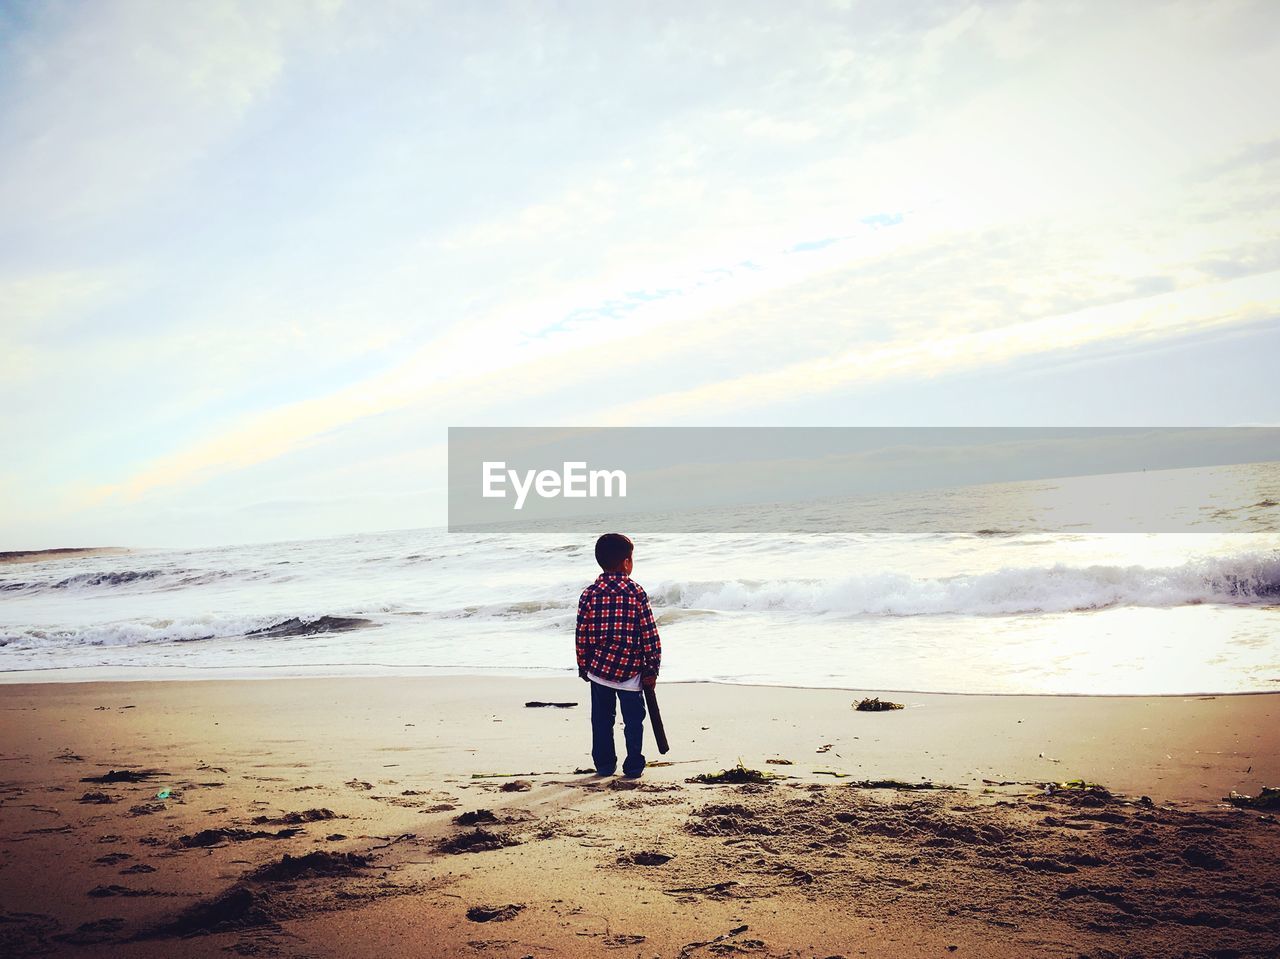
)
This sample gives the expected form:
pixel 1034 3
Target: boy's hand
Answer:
pixel 648 681
pixel 582 674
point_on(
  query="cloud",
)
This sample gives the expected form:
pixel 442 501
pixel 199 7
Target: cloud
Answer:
pixel 105 106
pixel 1223 304
pixel 244 237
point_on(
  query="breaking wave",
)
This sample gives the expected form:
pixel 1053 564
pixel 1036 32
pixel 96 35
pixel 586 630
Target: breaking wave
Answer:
pixel 164 579
pixel 146 632
pixel 1247 579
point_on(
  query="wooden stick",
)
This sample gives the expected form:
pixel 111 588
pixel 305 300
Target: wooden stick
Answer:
pixel 655 719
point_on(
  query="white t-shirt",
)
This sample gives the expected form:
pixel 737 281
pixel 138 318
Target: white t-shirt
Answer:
pixel 631 685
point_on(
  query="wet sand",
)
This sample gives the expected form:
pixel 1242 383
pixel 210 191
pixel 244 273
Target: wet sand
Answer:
pixel 443 817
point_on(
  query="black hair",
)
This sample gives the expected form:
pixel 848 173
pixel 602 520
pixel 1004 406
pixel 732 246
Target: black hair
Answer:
pixel 611 550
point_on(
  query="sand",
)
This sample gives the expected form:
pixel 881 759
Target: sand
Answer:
pixel 442 817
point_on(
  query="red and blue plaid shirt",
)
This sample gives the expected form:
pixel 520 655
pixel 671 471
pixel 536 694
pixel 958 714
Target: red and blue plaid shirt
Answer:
pixel 616 635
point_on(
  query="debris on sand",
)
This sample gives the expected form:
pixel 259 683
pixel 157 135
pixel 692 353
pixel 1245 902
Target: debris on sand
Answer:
pixel 475 818
pixel 644 859
pixel 319 863
pixel 892 784
pixel 535 704
pixel 97 797
pixel 494 913
pixel 508 775
pixel 517 786
pixel 875 704
pixel 714 889
pixel 1080 792
pixel 147 808
pixel 1269 798
pixel 477 840
pixel 213 837
pixel 690 947
pixel 623 784
pixel 779 762
pixel 738 774
pixel 126 776
pixel 296 818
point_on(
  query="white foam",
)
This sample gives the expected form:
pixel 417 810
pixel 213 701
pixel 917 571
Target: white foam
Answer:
pixel 1247 579
pixel 139 633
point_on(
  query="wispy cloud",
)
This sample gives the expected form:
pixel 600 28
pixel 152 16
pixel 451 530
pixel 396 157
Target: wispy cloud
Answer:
pixel 1167 315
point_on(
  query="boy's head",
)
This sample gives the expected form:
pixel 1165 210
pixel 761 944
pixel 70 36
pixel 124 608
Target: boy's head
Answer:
pixel 613 553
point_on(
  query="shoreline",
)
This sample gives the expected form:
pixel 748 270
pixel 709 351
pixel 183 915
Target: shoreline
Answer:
pixel 268 673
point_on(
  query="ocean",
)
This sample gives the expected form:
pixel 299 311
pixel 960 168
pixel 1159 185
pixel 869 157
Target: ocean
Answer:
pixel 1032 604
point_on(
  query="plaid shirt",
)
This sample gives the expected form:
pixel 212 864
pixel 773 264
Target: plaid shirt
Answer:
pixel 616 635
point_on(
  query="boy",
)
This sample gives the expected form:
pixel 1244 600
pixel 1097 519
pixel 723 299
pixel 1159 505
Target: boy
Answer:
pixel 618 650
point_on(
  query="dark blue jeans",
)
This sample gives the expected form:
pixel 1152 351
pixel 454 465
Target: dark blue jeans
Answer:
pixel 603 717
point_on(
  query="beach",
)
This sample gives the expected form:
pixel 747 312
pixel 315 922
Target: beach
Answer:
pixel 442 816
pixel 886 383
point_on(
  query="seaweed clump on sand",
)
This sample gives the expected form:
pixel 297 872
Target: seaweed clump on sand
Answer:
pixel 477 840
pixel 125 776
pixel 875 704
pixel 892 784
pixel 1269 798
pixel 475 818
pixel 646 858
pixel 312 864
pixel 297 818
pixel 495 913
pixel 1077 787
pixel 206 838
pixel 1080 792
pixel 737 775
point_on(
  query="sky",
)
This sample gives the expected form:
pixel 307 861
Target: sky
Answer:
pixel 256 258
